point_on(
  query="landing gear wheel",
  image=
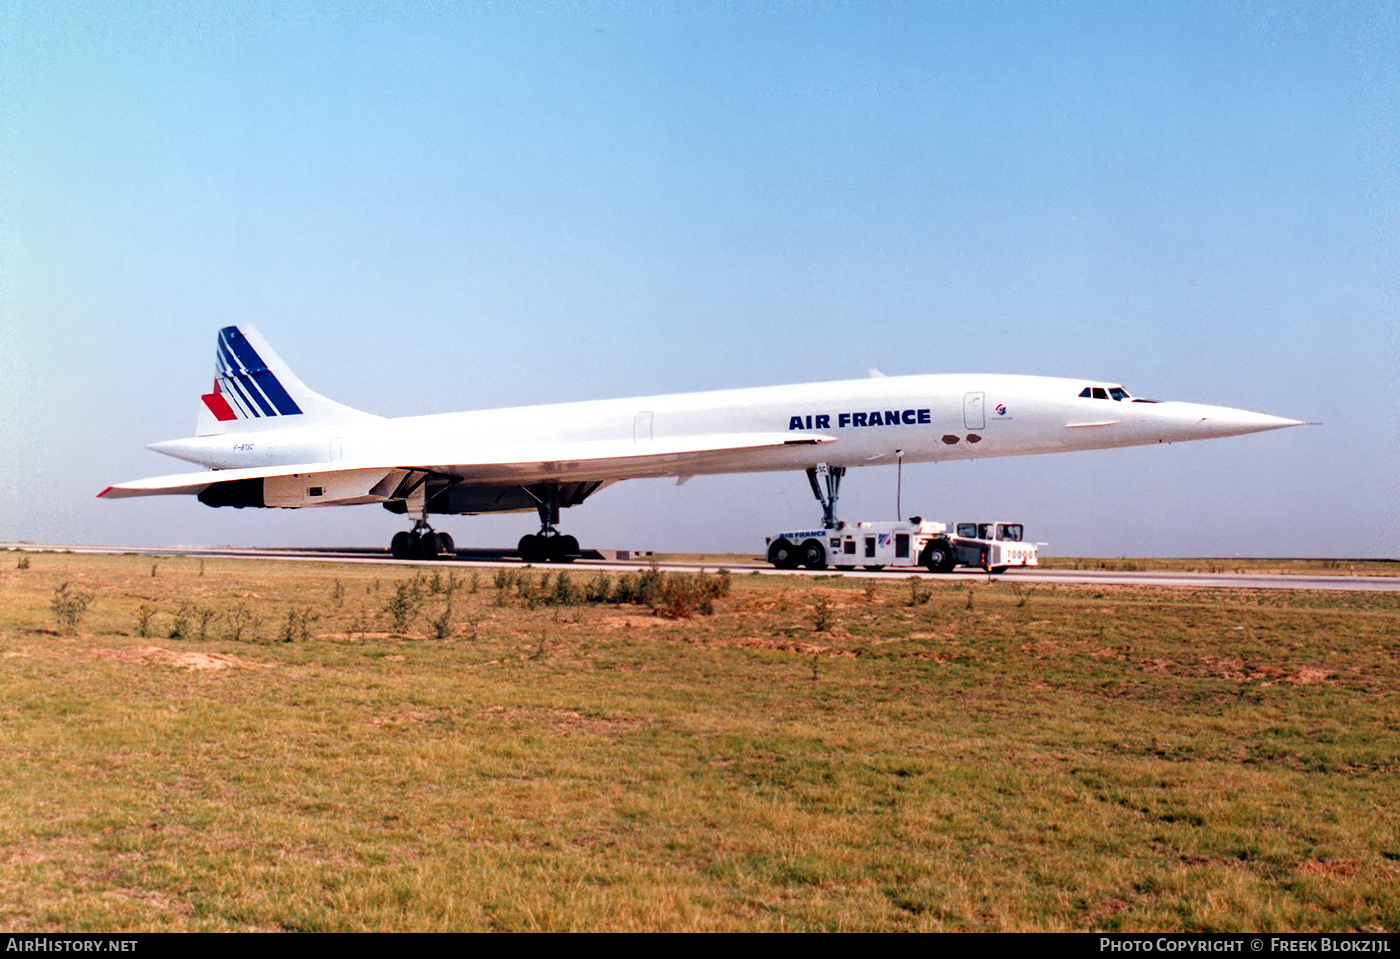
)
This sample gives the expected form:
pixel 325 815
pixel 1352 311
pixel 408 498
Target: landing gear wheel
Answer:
pixel 938 557
pixel 530 549
pixel 428 545
pixel 813 554
pixel 562 549
pixel 401 546
pixel 874 569
pixel 446 545
pixel 845 569
pixel 783 554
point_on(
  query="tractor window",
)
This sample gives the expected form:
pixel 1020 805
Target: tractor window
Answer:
pixel 984 530
pixel 968 530
pixel 1010 532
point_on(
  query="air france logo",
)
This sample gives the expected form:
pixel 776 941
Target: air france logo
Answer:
pixel 1001 409
pixel 822 421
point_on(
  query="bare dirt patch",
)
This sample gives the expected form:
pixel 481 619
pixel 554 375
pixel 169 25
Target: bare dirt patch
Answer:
pixel 182 659
pixel 631 622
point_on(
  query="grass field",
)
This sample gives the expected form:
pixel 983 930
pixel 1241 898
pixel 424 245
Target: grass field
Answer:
pixel 813 754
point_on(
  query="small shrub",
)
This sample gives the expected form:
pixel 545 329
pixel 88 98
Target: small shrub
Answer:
pixel 598 589
pixel 206 617
pixel 22 563
pixel 69 607
pixel 240 625
pixel 823 615
pixel 442 626
pixel 180 625
pixel 298 625
pixel 144 615
pixel 403 607
pixel 724 579
pixel 650 587
pixel 565 592
pixel 918 591
pixel 624 590
pixel 337 593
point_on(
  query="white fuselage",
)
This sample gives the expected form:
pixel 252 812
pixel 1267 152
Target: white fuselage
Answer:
pixel 859 422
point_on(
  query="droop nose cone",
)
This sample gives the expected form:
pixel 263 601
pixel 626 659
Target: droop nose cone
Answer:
pixel 1223 421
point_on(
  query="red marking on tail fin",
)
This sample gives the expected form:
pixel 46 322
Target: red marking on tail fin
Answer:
pixel 219 406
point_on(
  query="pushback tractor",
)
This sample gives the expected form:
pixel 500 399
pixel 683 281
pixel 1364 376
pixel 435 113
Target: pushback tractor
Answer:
pixel 994 547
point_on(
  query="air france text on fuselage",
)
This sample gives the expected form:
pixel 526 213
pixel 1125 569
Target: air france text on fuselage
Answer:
pixel 822 421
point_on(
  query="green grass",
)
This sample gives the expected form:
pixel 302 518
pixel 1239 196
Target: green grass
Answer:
pixel 998 757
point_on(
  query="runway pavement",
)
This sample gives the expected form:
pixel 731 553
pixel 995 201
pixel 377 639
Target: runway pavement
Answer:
pixel 492 558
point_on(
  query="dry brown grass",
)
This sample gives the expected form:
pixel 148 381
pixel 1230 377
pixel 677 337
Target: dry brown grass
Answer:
pixel 1082 758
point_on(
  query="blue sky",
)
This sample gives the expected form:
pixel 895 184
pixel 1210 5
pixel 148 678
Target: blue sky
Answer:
pixel 427 207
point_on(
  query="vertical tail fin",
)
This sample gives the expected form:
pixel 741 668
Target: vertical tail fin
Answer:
pixel 255 390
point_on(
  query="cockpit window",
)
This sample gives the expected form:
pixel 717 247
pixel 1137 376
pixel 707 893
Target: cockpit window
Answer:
pixel 1099 393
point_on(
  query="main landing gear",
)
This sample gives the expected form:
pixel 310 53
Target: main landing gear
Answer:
pixel 421 543
pixel 547 546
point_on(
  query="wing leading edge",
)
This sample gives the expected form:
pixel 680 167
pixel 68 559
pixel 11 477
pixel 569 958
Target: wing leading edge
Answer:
pixel 346 483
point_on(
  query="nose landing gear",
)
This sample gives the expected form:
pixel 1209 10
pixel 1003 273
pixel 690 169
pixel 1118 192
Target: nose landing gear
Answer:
pixel 830 477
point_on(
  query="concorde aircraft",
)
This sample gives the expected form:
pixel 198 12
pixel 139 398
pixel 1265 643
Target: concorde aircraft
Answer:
pixel 268 440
